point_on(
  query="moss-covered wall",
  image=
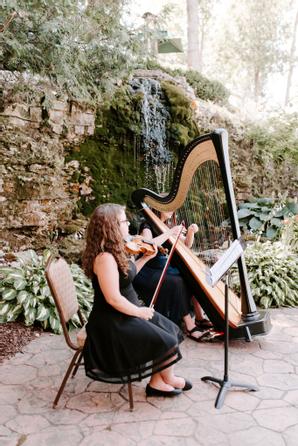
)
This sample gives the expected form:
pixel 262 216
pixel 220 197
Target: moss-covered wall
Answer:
pixel 115 174
pixel 114 155
pixel 41 194
pixel 182 127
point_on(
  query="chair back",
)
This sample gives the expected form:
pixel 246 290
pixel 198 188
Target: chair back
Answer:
pixel 63 290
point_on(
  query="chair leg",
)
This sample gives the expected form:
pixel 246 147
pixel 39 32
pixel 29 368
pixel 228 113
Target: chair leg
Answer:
pixel 78 363
pixel 130 395
pixel 66 376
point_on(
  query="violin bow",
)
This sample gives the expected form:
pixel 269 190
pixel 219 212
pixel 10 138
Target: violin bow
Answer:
pixel 156 292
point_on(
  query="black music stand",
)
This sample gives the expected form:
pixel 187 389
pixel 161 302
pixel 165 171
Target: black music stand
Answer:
pixel 214 274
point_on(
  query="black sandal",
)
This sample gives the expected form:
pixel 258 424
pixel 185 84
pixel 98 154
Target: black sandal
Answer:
pixel 203 324
pixel 211 336
pixel 196 329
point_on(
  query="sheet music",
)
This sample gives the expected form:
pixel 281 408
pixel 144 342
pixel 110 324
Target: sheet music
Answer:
pixel 215 273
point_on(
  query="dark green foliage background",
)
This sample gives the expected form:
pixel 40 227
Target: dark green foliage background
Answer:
pixel 68 43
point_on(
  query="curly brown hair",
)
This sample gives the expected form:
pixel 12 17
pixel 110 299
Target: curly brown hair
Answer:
pixel 104 235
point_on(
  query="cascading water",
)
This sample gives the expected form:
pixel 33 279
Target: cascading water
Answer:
pixel 158 160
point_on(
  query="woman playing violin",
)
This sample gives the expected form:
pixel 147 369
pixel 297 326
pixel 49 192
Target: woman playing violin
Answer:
pixel 175 299
pixel 125 341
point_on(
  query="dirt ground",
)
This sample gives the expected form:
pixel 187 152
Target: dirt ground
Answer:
pixel 13 337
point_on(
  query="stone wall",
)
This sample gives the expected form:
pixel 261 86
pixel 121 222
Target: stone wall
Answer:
pixel 37 195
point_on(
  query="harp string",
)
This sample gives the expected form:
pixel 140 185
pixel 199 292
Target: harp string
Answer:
pixel 205 206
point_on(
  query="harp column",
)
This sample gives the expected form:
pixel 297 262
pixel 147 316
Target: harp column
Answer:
pixel 248 306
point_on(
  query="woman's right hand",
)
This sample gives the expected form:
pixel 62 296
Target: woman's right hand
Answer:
pixel 145 313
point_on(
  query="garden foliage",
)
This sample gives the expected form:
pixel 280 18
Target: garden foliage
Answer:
pixel 273 268
pixel 204 88
pixel 25 295
pixel 70 42
pixel 272 274
pixel 264 217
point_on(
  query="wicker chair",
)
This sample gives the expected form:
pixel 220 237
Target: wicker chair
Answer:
pixel 62 287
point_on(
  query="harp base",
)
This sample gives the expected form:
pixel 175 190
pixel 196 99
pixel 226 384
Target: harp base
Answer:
pixel 247 329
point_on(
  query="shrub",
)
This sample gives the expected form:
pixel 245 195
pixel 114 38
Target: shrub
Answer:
pixel 272 273
pixel 206 89
pixel 25 294
pixel 276 137
pixel 82 47
pixel 265 216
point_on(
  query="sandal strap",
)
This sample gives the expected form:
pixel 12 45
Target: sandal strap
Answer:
pixel 193 330
pixel 203 322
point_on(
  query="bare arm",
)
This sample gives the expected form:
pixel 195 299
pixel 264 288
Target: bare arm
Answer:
pixel 189 238
pixel 106 270
pixel 160 239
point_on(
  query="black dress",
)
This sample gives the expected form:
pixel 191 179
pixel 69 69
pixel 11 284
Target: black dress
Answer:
pixel 174 299
pixel 121 348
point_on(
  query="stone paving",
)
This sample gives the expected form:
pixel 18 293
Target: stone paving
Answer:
pixel 94 414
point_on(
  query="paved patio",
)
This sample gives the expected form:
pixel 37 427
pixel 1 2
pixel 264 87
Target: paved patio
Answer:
pixel 91 413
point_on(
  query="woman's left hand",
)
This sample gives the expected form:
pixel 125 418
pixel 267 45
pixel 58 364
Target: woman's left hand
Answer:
pixel 193 228
pixel 151 256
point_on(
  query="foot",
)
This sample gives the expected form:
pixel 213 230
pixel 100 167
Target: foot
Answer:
pixel 151 391
pixel 176 381
pixel 202 324
pixel 196 334
pixel 180 383
pixel 161 385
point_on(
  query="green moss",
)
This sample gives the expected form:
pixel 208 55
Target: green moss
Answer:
pixel 114 174
pixel 110 154
pixel 120 116
pixel 181 127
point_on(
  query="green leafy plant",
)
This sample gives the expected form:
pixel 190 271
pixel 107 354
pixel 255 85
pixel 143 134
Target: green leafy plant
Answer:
pixel 265 216
pixel 206 89
pixel 25 294
pixel 272 272
pixel 70 42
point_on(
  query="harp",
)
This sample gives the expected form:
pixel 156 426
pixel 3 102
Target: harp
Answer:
pixel 202 192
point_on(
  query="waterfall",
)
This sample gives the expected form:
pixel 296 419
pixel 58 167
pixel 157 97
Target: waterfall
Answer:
pixel 158 160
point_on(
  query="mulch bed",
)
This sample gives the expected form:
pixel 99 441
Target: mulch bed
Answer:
pixel 13 337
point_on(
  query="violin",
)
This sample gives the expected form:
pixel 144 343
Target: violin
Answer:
pixel 139 245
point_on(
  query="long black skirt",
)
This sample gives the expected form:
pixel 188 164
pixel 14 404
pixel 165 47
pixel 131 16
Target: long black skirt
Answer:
pixel 121 348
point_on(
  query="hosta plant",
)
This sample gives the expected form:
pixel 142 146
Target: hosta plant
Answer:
pixel 272 272
pixel 25 295
pixel 264 217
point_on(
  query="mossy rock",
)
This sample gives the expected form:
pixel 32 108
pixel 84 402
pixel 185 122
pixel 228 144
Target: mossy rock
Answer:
pixel 111 154
pixel 182 126
pixel 114 172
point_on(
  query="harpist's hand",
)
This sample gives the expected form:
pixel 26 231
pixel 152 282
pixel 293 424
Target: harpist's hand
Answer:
pixel 145 313
pixel 193 228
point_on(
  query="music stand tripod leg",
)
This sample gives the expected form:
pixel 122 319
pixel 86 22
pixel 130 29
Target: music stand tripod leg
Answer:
pixel 225 384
